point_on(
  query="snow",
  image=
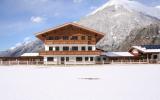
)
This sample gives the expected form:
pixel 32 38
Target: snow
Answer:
pixel 130 5
pixel 118 54
pixel 158 7
pixel 146 50
pixel 30 54
pixel 103 82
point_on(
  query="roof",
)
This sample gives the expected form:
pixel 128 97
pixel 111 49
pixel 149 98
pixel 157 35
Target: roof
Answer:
pixel 148 48
pixel 30 54
pixel 66 24
pixel 118 54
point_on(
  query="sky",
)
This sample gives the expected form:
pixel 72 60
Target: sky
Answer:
pixel 21 19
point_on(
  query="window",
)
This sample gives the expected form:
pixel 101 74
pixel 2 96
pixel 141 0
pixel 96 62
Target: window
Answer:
pixel 91 58
pixel 90 48
pixel 50 38
pixel 50 48
pixel 65 37
pixel 83 38
pixel 65 48
pixel 104 59
pixel 67 59
pixel 50 58
pixel 57 38
pixel 98 59
pixel 74 38
pixel 83 48
pixel 89 38
pixel 155 57
pixel 86 58
pixel 57 48
pixel 78 58
pixel 75 48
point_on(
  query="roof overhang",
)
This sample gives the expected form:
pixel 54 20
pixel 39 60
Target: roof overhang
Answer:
pixel 40 34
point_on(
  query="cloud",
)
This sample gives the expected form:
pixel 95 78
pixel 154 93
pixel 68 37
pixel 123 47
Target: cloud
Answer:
pixel 37 19
pixel 77 1
pixel 158 7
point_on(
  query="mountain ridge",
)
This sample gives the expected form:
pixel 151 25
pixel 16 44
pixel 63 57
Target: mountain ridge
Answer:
pixel 121 23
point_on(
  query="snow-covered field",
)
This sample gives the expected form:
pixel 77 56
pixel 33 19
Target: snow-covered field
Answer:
pixel 105 82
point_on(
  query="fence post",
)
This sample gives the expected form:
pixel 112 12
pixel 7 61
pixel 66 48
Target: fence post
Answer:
pixel 9 62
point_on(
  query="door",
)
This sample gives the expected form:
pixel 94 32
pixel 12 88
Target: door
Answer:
pixel 62 60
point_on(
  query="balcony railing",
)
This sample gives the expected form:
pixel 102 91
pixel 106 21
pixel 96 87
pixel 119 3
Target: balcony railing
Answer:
pixel 69 42
pixel 96 52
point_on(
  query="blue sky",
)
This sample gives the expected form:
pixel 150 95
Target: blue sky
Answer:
pixel 20 19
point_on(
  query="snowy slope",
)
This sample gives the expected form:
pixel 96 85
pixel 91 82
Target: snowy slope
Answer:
pixel 118 18
pixel 110 82
pixel 31 46
pixel 124 22
pixel 131 5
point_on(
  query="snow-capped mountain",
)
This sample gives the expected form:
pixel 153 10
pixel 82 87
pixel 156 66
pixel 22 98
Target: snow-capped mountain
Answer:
pixel 118 18
pixel 24 47
pixel 124 22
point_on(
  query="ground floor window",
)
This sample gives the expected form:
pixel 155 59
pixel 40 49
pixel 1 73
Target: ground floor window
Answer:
pixel 50 58
pixel 78 58
pixel 155 57
pixel 91 58
pixel 86 58
pixel 67 58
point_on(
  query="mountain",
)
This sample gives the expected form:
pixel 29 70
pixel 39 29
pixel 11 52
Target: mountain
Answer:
pixel 124 22
pixel 117 19
pixel 24 47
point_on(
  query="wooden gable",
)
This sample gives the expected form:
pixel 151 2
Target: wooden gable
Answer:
pixel 70 29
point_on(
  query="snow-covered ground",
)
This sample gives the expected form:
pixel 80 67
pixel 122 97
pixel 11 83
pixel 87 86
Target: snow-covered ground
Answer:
pixel 105 82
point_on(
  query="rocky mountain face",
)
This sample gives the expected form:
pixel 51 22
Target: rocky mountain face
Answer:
pixel 125 23
pixel 25 47
pixel 118 19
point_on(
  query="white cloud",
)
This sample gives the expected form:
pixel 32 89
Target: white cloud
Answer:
pixel 158 7
pixel 37 19
pixel 77 1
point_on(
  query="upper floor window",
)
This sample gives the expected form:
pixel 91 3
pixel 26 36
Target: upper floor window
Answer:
pixel 57 48
pixel 65 48
pixel 50 48
pixel 56 38
pixel 89 38
pixel 75 48
pixel 83 48
pixel 65 38
pixel 74 38
pixel 90 48
pixel 83 38
pixel 49 38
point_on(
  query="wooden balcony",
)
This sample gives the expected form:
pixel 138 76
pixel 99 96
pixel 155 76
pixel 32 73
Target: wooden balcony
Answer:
pixel 48 42
pixel 43 53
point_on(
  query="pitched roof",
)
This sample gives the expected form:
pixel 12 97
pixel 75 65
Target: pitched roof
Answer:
pixel 148 48
pixel 30 54
pixel 118 54
pixel 66 24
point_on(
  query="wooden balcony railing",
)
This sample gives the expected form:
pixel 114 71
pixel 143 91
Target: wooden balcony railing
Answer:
pixel 69 42
pixel 97 52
